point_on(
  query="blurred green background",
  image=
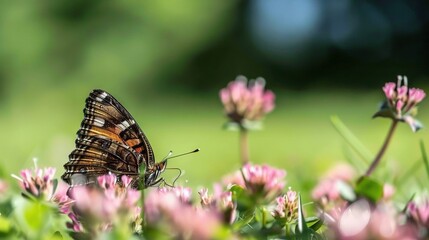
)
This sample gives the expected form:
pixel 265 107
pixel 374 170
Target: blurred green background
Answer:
pixel 166 61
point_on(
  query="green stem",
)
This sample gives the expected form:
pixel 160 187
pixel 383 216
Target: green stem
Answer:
pixel 383 148
pixel 244 146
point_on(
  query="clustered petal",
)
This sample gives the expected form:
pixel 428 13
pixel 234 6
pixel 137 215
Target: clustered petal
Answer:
pixel 328 188
pixel 402 101
pixel 221 203
pixel 165 207
pixel 287 206
pixel 99 207
pixel 38 183
pixel 259 180
pixel 419 211
pixel 247 101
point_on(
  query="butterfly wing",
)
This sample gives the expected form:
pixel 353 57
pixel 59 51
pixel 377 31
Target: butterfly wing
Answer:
pixel 109 140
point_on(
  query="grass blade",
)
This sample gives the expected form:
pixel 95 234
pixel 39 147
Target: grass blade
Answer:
pixel 352 140
pixel 424 156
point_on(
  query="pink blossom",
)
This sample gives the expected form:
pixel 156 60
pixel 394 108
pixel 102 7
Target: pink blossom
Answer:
pixel 206 200
pixel 260 180
pixel 97 208
pixel 416 95
pixel 360 221
pixel 388 191
pixel 419 211
pixel 389 90
pixel 39 182
pixel 246 101
pixel 62 199
pixel 287 206
pixel 401 102
pixel 184 221
pixel 327 189
pixel 221 203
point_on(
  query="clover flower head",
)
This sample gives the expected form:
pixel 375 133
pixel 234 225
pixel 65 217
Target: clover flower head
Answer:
pixel 361 221
pixel 328 188
pixel 287 206
pixel 206 200
pixel 259 180
pixel 418 210
pixel 166 207
pixel 245 100
pixel 37 182
pixel 97 208
pixel 401 102
pixel 221 203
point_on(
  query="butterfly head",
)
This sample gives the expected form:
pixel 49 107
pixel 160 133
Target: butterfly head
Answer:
pixel 151 176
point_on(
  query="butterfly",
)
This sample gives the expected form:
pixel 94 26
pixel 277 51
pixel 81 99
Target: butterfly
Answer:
pixel 110 141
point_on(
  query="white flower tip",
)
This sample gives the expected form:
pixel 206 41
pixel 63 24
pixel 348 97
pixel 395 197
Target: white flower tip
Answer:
pixel 241 78
pixel 35 162
pixel 16 177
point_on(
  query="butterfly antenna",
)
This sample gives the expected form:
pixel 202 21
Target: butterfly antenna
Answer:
pixel 168 155
pixel 179 155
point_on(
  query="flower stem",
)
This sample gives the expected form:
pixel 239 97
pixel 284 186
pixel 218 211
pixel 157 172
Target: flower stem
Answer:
pixel 383 148
pixel 244 146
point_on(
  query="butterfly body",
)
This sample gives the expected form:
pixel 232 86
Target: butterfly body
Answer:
pixel 110 141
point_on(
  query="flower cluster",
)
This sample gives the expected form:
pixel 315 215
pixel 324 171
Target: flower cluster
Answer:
pixel 221 203
pixel 328 188
pixel 261 181
pixel 419 212
pixel 246 101
pixel 401 102
pixel 97 208
pixel 287 207
pixel 38 183
pixel 169 211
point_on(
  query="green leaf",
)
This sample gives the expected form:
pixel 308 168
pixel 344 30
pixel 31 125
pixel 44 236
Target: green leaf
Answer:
pixel 244 219
pixel 384 112
pixel 369 188
pixel 352 140
pixel 33 217
pixel 424 156
pixel 5 225
pixel 302 226
pixel 302 231
pixel 318 224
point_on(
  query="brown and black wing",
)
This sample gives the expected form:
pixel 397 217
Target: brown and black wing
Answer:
pixel 109 140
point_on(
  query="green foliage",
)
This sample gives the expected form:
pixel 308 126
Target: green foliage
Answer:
pixel 369 188
pixel 424 156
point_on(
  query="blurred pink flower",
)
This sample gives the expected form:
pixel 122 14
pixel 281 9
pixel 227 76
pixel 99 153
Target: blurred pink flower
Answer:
pixel 419 211
pixel 221 203
pixel 328 188
pixel 97 208
pixel 165 208
pixel 246 101
pixel 388 191
pixel 360 221
pixel 287 206
pixel 3 187
pixel 401 102
pixel 62 199
pixel 259 180
pixel 38 183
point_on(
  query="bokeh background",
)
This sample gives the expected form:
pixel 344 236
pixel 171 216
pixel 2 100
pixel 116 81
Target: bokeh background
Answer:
pixel 166 61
